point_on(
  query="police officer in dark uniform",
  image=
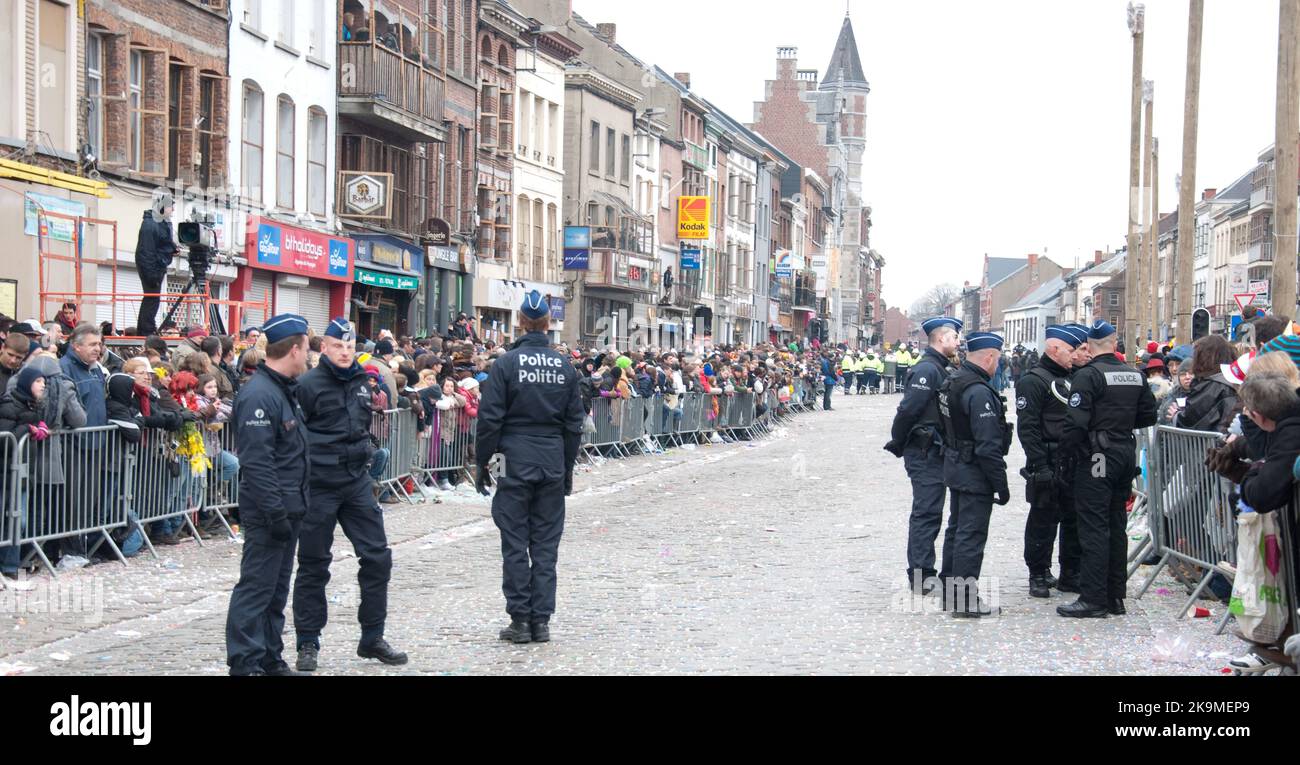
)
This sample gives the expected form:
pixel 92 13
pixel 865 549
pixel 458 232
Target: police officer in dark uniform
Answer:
pixel 915 436
pixel 1071 552
pixel 976 441
pixel 1108 400
pixel 335 399
pixel 1041 399
pixel 531 414
pixel 273 498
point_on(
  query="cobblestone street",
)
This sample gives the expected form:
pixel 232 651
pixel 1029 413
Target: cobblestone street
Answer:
pixel 779 556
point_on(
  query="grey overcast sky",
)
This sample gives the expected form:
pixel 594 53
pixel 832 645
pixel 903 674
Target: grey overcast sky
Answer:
pixel 999 126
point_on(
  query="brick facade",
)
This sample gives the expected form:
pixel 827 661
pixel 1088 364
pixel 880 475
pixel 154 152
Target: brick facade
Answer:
pixel 181 43
pixel 789 121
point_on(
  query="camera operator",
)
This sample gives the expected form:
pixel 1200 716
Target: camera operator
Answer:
pixel 155 247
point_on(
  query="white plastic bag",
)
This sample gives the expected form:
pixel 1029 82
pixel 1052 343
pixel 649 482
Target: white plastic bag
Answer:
pixel 1258 598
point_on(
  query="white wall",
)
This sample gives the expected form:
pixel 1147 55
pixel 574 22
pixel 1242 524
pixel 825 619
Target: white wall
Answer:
pixel 533 177
pixel 307 77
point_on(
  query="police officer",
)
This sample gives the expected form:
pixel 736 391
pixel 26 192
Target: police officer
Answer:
pixel 1041 398
pixel 531 413
pixel 915 436
pixel 976 441
pixel 1108 400
pixel 273 498
pixel 335 399
pixel 1071 553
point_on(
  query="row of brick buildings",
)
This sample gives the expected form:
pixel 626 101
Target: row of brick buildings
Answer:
pixel 401 161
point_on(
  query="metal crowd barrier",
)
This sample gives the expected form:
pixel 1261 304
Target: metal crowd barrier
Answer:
pixel 69 488
pixel 1191 520
pixel 395 429
pixel 8 493
pixel 1141 539
pixel 222 489
pixel 439 458
pixel 161 487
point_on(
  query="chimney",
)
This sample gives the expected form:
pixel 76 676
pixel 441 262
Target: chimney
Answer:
pixel 684 78
pixel 1033 261
pixel 1209 194
pixel 608 31
pixel 1097 257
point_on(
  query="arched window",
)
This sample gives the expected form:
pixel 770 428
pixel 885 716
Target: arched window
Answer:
pixel 521 235
pixel 485 48
pixel 503 57
pixel 250 172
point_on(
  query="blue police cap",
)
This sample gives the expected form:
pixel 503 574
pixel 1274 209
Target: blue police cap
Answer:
pixel 1064 334
pixel 930 325
pixel 1101 330
pixel 284 325
pixel 979 341
pixel 340 329
pixel 534 305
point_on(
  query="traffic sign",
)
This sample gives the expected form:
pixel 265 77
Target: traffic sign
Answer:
pixel 1244 300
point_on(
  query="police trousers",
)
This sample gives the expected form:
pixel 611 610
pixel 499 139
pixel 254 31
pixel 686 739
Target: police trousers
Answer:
pixel 926 474
pixel 530 515
pixel 255 621
pixel 354 508
pixel 963 544
pixel 1102 487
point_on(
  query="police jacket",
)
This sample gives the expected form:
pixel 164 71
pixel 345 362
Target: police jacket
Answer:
pixel 917 419
pixel 1108 401
pixel 531 412
pixel 154 248
pixel 976 434
pixel 336 409
pixel 272 444
pixel 1040 414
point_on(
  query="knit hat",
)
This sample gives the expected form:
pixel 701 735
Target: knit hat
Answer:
pixel 26 376
pixel 383 348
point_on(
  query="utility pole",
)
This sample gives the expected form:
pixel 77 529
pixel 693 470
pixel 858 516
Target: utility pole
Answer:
pixel 1184 272
pixel 1285 149
pixel 1153 261
pixel 1143 262
pixel 1136 23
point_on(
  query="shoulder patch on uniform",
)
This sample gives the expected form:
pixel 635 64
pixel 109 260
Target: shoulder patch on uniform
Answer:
pixel 1075 400
pixel 1022 402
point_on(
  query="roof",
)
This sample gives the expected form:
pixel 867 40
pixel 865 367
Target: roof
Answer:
pixel 1001 268
pixel 1045 293
pixel 845 65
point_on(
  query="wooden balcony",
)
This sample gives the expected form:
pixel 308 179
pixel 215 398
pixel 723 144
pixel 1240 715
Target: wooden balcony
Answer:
pixel 379 87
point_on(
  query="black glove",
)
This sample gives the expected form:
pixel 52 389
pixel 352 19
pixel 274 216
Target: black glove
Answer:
pixel 189 416
pixel 483 480
pixel 1003 496
pixel 568 483
pixel 894 448
pixel 281 531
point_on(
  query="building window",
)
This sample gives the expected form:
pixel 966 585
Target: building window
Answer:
pixel 251 137
pixel 316 35
pixel 521 260
pixel 52 95
pixel 317 143
pixel 253 13
pixel 610 148
pixel 594 159
pixel 212 134
pixel 285 33
pixel 666 192
pixel 94 94
pixel 284 139
pixel 136 125
pixel 1114 299
pixel 539 240
pixel 625 173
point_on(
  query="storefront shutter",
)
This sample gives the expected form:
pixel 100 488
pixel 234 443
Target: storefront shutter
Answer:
pixel 314 306
pixel 259 290
pixel 123 313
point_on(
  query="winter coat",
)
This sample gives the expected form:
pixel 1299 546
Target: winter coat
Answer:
pixel 1209 405
pixel 61 411
pixel 154 248
pixel 449 416
pixel 1269 485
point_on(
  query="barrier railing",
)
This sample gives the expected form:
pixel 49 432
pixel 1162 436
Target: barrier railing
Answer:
pixel 69 489
pixel 395 430
pixel 444 454
pixel 163 489
pixel 221 494
pixel 1191 520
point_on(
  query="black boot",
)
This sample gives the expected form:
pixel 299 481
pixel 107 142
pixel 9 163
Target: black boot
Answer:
pixel 307 657
pixel 1069 582
pixel 1081 610
pixel 519 631
pixel 1051 580
pixel 1038 586
pixel 975 610
pixel 380 649
pixel 1116 607
pixel 282 669
pixel 541 631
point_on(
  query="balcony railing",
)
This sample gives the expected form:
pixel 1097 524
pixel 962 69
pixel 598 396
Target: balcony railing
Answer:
pixel 615 269
pixel 379 85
